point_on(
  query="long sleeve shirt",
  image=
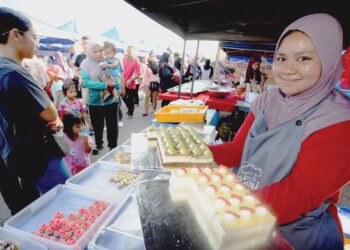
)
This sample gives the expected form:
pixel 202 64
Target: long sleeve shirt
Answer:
pixel 320 171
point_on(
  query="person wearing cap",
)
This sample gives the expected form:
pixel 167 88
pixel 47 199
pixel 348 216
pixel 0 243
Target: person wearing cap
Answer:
pixel 293 148
pixel 57 76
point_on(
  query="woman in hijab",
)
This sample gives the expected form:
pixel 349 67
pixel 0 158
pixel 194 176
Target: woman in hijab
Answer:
pixel 101 111
pixel 166 75
pixel 293 148
pixel 60 61
pixel 207 70
pixel 253 73
pixel 193 70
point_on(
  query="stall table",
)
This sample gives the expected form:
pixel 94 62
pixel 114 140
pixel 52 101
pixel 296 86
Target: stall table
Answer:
pixel 226 104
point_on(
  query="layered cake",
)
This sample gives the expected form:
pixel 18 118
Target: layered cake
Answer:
pixel 228 214
pixel 182 146
pixel 152 132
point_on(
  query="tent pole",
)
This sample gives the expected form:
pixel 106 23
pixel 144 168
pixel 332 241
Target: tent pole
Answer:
pixel 195 69
pixel 181 68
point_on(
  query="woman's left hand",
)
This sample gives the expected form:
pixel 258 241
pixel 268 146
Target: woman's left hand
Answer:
pixel 55 125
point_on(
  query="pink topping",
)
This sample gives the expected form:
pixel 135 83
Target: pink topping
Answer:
pixel 58 232
pixel 92 218
pixel 44 236
pixel 79 220
pixel 86 225
pixel 96 203
pixel 79 233
pixel 43 227
pixel 72 217
pixel 103 205
pixel 66 235
pixel 59 215
pixel 36 233
pixel 82 211
pixel 71 241
pixel 98 211
pixel 65 227
pixel 74 227
pixel 49 229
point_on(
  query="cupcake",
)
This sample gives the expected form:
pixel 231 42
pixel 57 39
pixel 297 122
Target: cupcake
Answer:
pixel 74 227
pixel 59 215
pixel 43 228
pixel 66 235
pixel 79 220
pixel 79 233
pixel 86 225
pixel 71 241
pixel 72 217
pixel 92 218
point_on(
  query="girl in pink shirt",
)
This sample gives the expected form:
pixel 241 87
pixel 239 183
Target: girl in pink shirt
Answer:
pixel 78 156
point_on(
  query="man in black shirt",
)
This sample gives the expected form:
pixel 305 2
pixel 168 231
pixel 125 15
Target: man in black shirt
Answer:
pixel 82 56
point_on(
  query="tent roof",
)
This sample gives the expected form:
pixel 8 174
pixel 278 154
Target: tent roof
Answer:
pixel 113 34
pixel 70 26
pixel 227 20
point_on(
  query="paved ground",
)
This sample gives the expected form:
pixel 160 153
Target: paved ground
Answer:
pixel 135 125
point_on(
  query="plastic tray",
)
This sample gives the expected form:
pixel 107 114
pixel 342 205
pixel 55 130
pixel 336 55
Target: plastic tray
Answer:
pixel 110 157
pixel 165 115
pixel 122 231
pixel 67 199
pixel 22 242
pixel 96 177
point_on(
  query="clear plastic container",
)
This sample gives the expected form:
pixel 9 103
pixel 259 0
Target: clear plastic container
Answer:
pixel 122 230
pixel 63 198
pixel 111 156
pixel 21 241
pixel 97 177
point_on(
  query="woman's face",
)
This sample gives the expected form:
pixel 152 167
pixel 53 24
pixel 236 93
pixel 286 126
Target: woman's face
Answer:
pixel 296 67
pixel 27 44
pixel 152 58
pixel 256 66
pixel 97 53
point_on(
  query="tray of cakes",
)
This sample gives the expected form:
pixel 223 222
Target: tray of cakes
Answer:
pixel 182 146
pixel 203 208
pixel 112 178
pixel 121 155
pixel 65 218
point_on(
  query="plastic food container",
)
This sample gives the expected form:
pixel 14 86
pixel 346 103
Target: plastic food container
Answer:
pixel 123 229
pixel 67 199
pixel 182 114
pixel 123 157
pixel 97 177
pixel 21 241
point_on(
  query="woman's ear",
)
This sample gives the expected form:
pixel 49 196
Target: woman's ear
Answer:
pixel 15 34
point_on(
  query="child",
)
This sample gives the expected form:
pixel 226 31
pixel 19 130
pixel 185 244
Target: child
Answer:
pixel 56 75
pixel 78 157
pixel 112 68
pixel 72 104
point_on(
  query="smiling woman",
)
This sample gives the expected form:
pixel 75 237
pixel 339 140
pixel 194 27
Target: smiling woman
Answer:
pixel 297 66
pixel 312 121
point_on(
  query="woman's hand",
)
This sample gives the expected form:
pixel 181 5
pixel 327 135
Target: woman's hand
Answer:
pixel 110 84
pixel 55 125
pixel 128 82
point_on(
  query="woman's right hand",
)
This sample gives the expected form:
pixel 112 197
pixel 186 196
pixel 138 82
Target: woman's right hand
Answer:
pixel 55 125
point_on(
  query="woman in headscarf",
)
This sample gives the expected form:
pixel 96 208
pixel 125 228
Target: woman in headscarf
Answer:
pixel 101 111
pixel 166 75
pixel 193 70
pixel 253 73
pixel 60 61
pixel 207 70
pixel 293 148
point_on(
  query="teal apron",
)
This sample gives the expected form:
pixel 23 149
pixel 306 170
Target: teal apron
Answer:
pixel 269 156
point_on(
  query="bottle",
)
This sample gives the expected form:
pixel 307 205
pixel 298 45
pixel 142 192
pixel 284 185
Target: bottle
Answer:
pixel 241 80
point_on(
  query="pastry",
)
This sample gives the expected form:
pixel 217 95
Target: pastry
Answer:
pixel 229 215
pixel 182 146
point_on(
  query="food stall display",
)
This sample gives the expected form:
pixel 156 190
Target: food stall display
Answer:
pixel 182 146
pixel 226 211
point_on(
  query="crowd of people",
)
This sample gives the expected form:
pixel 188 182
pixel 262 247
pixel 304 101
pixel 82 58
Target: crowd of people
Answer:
pixel 77 94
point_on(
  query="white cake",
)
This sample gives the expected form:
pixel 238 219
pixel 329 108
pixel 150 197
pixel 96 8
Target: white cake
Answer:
pixel 182 146
pixel 228 214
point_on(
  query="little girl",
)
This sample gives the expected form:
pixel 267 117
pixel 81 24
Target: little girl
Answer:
pixel 72 104
pixel 78 156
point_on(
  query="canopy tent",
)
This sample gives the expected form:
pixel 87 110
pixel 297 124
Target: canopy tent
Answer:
pixel 227 20
pixel 70 26
pixel 113 34
pixel 52 39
